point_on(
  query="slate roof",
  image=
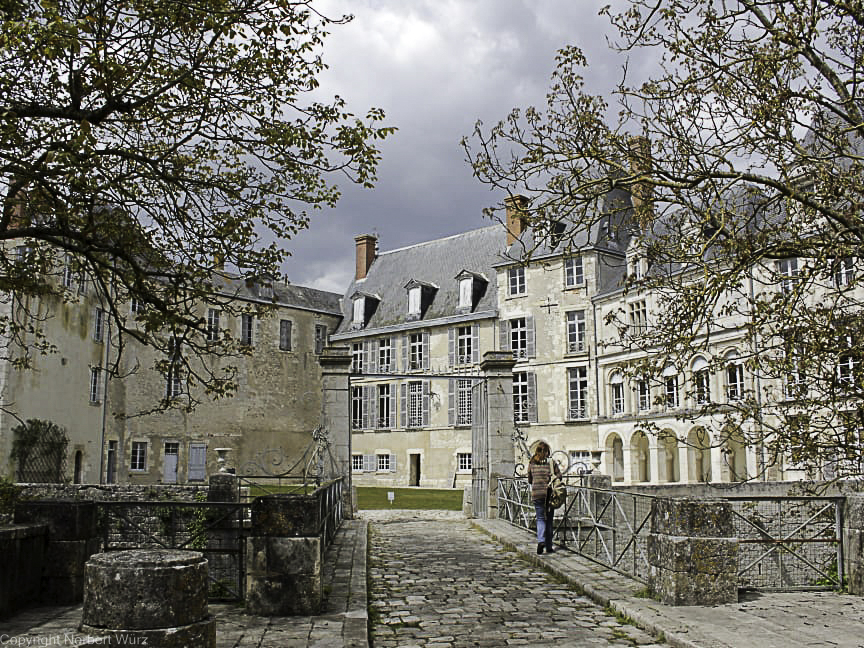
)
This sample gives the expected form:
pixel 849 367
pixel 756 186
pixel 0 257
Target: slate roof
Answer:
pixel 310 299
pixel 432 263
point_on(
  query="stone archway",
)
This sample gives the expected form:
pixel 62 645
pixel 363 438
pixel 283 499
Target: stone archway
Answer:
pixel 640 461
pixel 667 448
pixel 699 455
pixel 615 457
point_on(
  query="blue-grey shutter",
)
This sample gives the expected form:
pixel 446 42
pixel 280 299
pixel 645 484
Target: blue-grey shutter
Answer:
pixel 405 353
pixel 369 463
pixel 504 332
pixel 425 349
pixel 403 404
pixel 370 349
pixel 197 462
pixel 451 402
pixel 369 419
pixel 451 346
pixel 426 394
pixel 531 347
pixel 392 463
pixel 393 404
pixel 532 398
pixel 475 343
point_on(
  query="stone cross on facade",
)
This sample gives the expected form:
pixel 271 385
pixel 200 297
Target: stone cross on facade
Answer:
pixel 548 305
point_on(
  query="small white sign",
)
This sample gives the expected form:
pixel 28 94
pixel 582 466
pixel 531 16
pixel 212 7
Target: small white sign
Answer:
pixel 391 496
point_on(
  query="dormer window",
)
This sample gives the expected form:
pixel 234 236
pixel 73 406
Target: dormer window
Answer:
pixel 363 308
pixel 359 308
pixel 472 286
pixel 465 290
pixel 414 300
pixel 420 296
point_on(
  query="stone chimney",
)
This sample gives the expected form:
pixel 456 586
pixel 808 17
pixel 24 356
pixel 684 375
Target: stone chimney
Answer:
pixel 367 247
pixel 641 193
pixel 517 221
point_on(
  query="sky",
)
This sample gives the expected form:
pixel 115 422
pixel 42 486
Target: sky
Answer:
pixel 435 68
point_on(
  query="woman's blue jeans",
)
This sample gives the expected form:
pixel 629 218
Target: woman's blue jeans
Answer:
pixel 544 527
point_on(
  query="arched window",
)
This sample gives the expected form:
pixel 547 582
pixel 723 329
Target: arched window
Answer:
pixel 701 380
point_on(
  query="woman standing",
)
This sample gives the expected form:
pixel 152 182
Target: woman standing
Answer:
pixel 539 476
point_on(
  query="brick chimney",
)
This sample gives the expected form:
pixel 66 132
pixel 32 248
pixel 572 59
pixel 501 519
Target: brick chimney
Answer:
pixel 641 193
pixel 517 222
pixel 366 246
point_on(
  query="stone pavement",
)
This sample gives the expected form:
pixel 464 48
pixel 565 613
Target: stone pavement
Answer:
pixel 758 620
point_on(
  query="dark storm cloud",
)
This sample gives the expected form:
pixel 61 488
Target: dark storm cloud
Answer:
pixel 435 68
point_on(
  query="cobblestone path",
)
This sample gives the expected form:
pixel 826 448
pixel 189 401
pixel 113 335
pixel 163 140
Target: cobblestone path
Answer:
pixel 440 583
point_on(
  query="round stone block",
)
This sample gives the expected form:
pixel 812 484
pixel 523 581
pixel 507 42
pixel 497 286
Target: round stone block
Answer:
pixel 194 635
pixel 144 589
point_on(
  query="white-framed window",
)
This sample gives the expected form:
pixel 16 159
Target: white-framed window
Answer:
pixel 638 316
pixel 616 385
pixel 357 463
pixel 519 337
pixel 173 383
pixel 463 402
pixel 415 295
pixel 285 328
pixel 415 351
pixel 580 460
pixel 795 385
pixel 138 456
pixel 95 381
pixel 358 318
pixel 466 292
pixel 643 389
pixel 212 324
pixel 734 380
pixel 844 271
pixel 69 274
pixel 847 366
pixel 385 355
pixel 463 462
pixel 247 328
pixel 384 407
pixel 578 392
pixel 136 306
pixel 573 272
pixel 670 386
pixel 576 331
pixel 523 397
pixel 464 340
pixel 701 381
pixel 788 271
pixel 98 325
pixel 82 283
pixel 357 402
pixel 415 404
pixel 357 353
pixel 635 267
pixel 383 463
pixel 320 337
pixel 516 280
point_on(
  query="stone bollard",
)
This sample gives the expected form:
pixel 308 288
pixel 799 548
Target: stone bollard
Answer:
pixel 692 552
pixel 148 597
pixel 853 543
pixel 284 556
pixel 72 539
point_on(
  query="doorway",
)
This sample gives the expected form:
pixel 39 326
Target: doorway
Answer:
pixel 169 463
pixel 414 474
pixel 112 463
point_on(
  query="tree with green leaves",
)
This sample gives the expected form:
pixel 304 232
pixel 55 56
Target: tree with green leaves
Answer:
pixel 742 151
pixel 144 144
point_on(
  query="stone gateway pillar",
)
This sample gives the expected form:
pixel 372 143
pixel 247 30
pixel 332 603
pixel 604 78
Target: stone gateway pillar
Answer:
pixel 853 543
pixel 335 371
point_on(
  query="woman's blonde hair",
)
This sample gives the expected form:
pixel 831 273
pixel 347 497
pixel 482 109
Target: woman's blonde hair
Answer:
pixel 541 452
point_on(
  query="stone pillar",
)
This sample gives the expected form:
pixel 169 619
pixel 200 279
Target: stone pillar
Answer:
pixel 72 539
pixel 223 488
pixel 335 372
pixel 497 368
pixel 718 462
pixel 853 543
pixel 148 597
pixel 284 556
pixel 684 463
pixel 627 458
pixel 692 552
pixel 654 452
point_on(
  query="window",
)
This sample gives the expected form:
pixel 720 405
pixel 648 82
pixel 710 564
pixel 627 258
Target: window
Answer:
pixel 82 283
pixel 247 322
pixel 635 269
pixel 524 392
pixel 578 379
pixel 701 381
pixel 95 376
pixel 357 463
pixel 383 463
pixel 464 339
pixel 670 386
pixel 384 409
pixel 576 331
pixel 519 337
pixel 136 306
pixel 357 357
pixel 516 280
pixel 466 292
pixel 69 275
pixel 463 402
pixel 734 380
pixel 463 462
pixel 357 408
pixel 320 338
pixel 788 271
pixel 844 272
pixel 638 316
pixel 846 368
pixel 138 458
pixel 617 386
pixel 99 325
pixel 415 294
pixel 580 461
pixel 174 387
pixel 285 327
pixel 415 404
pixel 573 273
pixel 416 355
pixel 358 319
pixel 212 324
pixel 643 390
pixel 385 355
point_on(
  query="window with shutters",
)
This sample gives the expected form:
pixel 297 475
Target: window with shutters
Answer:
pixel 285 327
pixel 578 390
pixel 463 402
pixel 415 404
pixel 464 339
pixel 383 463
pixel 523 406
pixel 576 331
pixel 384 406
pixel 519 337
pixel 357 357
pixel 357 463
pixel 415 351
pixel 573 273
pixel 357 408
pixel 247 325
pixel 385 355
pixel 212 324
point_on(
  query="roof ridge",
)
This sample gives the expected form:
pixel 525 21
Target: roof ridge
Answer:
pixel 438 240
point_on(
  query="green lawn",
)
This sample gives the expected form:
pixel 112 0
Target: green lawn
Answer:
pixel 371 497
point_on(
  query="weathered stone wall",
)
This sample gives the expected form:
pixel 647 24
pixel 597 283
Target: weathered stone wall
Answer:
pixel 114 492
pixel 23 548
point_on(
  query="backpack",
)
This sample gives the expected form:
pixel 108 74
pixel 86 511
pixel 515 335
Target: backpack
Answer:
pixel 557 493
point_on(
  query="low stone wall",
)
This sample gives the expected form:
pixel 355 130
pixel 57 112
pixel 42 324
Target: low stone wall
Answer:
pixel 23 548
pixel 113 492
